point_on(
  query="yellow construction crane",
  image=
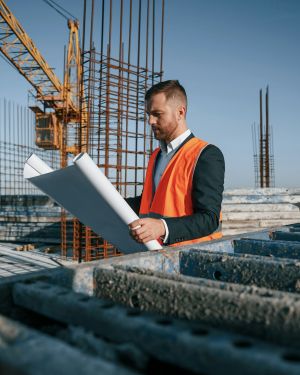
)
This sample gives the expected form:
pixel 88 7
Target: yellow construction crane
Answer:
pixel 63 100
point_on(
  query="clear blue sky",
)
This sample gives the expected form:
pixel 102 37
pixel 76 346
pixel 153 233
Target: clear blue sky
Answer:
pixel 223 52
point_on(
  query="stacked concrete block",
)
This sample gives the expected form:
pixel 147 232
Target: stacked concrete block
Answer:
pixel 25 351
pixel 29 218
pixel 249 210
pixel 154 341
pixel 230 306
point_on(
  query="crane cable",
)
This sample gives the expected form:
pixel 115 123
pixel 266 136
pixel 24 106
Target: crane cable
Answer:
pixel 56 7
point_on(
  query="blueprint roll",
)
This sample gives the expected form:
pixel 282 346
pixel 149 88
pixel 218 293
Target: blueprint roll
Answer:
pixel 34 166
pixel 104 187
pixel 84 191
pixel 108 192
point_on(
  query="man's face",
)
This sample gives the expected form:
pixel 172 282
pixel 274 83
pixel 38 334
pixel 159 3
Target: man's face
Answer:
pixel 163 117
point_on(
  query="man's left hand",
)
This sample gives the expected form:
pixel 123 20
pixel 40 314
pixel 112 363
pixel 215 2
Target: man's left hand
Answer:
pixel 145 230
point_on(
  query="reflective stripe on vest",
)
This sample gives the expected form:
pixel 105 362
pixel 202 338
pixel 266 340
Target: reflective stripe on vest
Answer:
pixel 173 196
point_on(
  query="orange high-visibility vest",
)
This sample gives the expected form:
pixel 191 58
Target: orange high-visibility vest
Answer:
pixel 173 196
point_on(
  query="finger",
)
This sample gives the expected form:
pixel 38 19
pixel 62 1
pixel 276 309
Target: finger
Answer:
pixel 136 238
pixel 147 239
pixel 135 223
pixel 135 228
pixel 145 235
pixel 140 237
pixel 141 230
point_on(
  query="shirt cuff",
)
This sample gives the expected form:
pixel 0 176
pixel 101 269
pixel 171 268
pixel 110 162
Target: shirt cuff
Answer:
pixel 165 238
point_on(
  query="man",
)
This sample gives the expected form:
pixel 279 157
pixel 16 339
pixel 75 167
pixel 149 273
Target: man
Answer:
pixel 182 195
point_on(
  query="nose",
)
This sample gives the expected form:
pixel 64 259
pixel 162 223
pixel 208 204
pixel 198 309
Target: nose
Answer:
pixel 151 120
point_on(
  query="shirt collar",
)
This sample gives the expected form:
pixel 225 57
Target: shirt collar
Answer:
pixel 166 148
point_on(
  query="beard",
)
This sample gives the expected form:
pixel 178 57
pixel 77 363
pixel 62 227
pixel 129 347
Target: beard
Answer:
pixel 156 133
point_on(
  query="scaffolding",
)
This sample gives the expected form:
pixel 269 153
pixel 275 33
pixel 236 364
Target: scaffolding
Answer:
pixel 115 78
pixel 17 142
pixel 27 216
pixel 121 57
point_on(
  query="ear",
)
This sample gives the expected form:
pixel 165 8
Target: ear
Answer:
pixel 181 111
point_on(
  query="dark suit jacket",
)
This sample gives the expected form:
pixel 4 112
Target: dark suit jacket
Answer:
pixel 208 186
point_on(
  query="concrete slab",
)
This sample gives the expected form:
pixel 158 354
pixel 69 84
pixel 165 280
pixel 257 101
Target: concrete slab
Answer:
pixel 259 312
pixel 26 351
pixel 262 207
pixel 151 281
pixel 262 215
pixel 263 191
pixel 285 236
pixel 268 272
pixel 184 345
pixel 280 249
pixel 14 262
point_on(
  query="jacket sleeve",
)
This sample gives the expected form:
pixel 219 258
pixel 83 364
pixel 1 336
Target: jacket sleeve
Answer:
pixel 208 186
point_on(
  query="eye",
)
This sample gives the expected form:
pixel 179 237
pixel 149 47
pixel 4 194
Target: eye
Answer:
pixel 153 114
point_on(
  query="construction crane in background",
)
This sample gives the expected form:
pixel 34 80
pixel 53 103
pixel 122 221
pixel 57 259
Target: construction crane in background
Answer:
pixel 61 105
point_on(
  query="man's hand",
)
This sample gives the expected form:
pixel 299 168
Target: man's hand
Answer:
pixel 144 230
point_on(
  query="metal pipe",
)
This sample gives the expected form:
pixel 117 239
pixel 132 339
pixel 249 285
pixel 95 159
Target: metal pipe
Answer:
pixel 162 39
pixel 81 80
pixel 107 126
pixel 127 95
pixel 145 89
pixel 267 156
pixel 137 98
pixel 261 156
pixel 119 115
pixel 90 78
pixel 153 41
pixel 100 83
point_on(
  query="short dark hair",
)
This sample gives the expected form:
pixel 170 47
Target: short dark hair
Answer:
pixel 171 88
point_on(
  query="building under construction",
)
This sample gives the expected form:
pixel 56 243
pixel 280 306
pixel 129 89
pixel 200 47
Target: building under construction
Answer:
pixel 99 107
pixel 227 306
